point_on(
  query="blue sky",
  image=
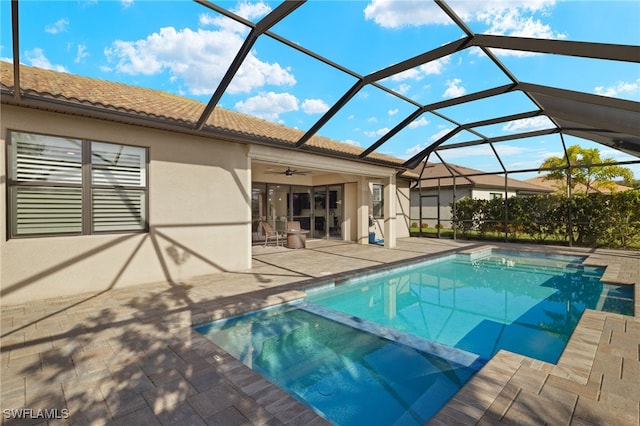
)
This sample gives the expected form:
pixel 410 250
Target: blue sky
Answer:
pixel 184 48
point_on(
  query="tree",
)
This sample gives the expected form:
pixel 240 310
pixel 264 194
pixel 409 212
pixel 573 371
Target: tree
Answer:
pixel 597 177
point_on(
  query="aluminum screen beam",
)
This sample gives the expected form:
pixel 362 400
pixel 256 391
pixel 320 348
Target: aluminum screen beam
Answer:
pixel 613 52
pixel 431 107
pixel 424 58
pixel 278 14
pixel 416 159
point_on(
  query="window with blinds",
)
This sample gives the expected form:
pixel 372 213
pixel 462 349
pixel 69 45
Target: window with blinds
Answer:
pixel 377 201
pixel 69 186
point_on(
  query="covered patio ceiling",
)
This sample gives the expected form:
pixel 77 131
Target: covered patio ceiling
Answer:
pixel 608 121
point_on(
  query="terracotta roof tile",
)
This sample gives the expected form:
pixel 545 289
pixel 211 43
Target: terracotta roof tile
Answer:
pixel 438 170
pixel 154 103
pixel 560 187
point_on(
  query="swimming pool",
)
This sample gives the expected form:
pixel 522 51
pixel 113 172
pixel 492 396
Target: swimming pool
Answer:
pixel 494 300
pixel 396 345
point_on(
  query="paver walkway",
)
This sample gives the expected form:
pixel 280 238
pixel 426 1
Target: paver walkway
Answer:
pixel 130 356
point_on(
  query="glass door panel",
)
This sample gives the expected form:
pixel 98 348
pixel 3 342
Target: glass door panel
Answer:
pixel 277 206
pixel 301 206
pixel 319 212
pixel 258 210
pixel 335 211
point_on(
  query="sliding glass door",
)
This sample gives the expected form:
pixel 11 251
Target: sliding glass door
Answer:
pixel 327 211
pixel 301 208
pixel 318 209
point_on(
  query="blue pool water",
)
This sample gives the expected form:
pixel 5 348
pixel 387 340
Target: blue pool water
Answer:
pixel 348 376
pixel 527 305
pixel 395 346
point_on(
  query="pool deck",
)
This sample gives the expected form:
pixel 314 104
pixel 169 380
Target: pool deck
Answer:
pixel 130 356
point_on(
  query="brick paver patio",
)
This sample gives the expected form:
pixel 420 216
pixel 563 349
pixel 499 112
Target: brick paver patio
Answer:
pixel 130 356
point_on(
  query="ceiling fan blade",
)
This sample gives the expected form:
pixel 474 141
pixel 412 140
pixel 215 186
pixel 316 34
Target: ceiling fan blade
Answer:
pixel 288 172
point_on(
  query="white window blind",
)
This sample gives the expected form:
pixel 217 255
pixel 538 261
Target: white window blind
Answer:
pixel 117 165
pixel 61 186
pixel 47 210
pixel 377 201
pixel 47 159
pixel 118 210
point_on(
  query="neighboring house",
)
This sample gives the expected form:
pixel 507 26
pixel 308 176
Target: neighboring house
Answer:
pixel 109 185
pixel 560 187
pixel 440 185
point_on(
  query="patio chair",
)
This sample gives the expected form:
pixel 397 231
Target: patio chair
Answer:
pixel 269 233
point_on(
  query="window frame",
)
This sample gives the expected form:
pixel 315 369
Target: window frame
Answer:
pixel 86 187
pixel 374 186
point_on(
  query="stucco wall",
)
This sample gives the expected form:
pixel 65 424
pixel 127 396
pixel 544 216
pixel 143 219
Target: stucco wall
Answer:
pixel 199 216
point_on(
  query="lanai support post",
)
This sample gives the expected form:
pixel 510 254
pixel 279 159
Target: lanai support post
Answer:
pixel 506 207
pixel 390 212
pixel 364 199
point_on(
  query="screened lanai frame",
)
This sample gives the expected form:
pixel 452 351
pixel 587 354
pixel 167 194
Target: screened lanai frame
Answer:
pixel 610 122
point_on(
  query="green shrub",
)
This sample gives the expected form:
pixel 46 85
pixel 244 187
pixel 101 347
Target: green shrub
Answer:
pixel 609 220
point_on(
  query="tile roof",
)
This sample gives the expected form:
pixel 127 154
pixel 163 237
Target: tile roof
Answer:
pixel 560 187
pixel 464 177
pixel 143 102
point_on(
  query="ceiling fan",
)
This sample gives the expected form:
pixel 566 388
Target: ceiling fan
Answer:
pixel 288 172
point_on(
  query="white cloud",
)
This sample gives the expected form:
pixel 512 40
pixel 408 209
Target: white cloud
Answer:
pixel 435 67
pixel 395 14
pixel 376 133
pixel 36 58
pixel 467 152
pixel 81 53
pixel 506 150
pixel 500 17
pixel 404 88
pixel 620 89
pixel 252 11
pixel 245 10
pixel 372 120
pixel 454 89
pixel 126 3
pixel 200 58
pixel 57 27
pixel 414 150
pixel 528 124
pixel 440 134
pixel 422 121
pixel 352 142
pixel 512 22
pixel 393 111
pixel 268 105
pixel 314 106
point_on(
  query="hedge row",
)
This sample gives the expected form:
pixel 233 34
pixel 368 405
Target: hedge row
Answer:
pixel 595 220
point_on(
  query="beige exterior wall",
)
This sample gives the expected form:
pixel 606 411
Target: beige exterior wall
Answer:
pixel 485 194
pixel 401 211
pixel 199 216
pixel 199 210
pixel 351 211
